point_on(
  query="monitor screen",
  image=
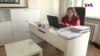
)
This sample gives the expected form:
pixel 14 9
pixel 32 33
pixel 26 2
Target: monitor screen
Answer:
pixel 53 21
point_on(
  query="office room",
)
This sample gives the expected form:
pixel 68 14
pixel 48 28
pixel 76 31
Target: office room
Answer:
pixel 32 28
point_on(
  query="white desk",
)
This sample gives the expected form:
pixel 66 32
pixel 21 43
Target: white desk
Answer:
pixel 73 47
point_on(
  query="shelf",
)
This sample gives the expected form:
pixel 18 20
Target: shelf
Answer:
pixel 5 15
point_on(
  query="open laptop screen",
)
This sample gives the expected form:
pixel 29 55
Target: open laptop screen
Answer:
pixel 53 21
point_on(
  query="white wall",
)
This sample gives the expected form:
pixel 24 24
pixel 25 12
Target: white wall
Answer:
pixel 63 5
pixel 47 7
pixel 32 3
pixel 52 7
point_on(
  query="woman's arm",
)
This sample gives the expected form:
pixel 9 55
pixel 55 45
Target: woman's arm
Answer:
pixel 61 21
pixel 78 22
pixel 68 25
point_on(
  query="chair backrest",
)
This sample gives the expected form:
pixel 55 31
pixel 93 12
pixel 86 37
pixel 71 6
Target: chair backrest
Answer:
pixel 81 13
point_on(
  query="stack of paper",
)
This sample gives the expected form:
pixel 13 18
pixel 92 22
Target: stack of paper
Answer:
pixel 72 32
pixel 68 34
pixel 80 27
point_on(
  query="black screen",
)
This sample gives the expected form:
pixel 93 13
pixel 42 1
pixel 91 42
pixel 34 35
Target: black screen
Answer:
pixel 53 21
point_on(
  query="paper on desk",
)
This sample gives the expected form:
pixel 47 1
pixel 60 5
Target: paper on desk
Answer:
pixel 52 31
pixel 68 34
pixel 80 27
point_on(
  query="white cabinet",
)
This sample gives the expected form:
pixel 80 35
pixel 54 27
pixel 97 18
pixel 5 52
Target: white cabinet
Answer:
pixel 20 30
pixel 25 15
pixel 20 24
pixel 6 35
pixel 16 27
pixel 20 19
pixel 4 15
pixel 19 15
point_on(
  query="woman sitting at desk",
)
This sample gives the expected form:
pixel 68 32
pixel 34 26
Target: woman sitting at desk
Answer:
pixel 71 18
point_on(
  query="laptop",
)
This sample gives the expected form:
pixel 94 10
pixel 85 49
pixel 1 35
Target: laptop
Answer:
pixel 53 21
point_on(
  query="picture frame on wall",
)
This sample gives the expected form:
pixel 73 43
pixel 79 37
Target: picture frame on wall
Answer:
pixel 14 3
pixel 9 1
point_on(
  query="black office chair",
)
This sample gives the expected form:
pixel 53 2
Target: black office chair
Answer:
pixel 81 13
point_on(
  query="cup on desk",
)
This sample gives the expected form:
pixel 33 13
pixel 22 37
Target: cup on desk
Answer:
pixel 45 26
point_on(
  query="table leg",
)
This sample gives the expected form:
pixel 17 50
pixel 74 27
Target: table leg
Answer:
pixel 41 53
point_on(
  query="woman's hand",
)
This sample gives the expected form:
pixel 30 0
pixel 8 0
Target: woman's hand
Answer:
pixel 67 24
pixel 61 23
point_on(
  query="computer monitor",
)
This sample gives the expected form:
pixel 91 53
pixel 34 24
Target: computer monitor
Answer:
pixel 53 21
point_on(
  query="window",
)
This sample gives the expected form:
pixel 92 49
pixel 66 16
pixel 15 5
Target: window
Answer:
pixel 91 11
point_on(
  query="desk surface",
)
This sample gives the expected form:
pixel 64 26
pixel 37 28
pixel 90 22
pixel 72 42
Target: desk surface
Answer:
pixel 72 35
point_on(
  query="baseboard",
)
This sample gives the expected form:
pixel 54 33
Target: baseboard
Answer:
pixel 2 46
pixel 96 45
